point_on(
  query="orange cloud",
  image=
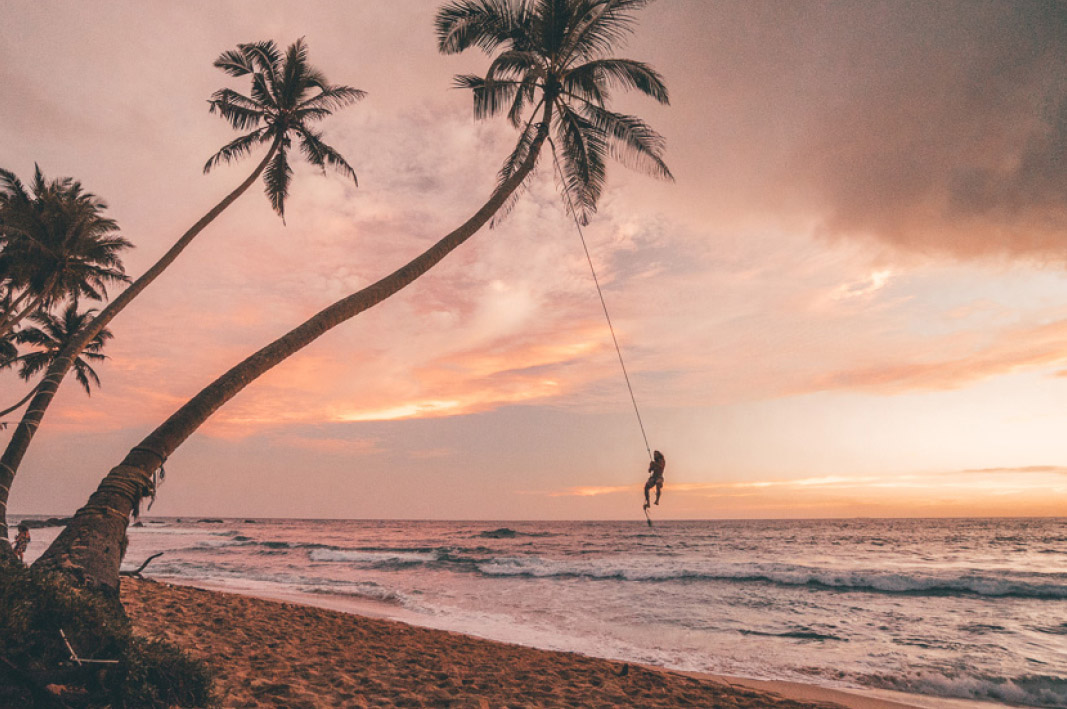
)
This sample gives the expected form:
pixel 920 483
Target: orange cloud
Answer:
pixel 1011 351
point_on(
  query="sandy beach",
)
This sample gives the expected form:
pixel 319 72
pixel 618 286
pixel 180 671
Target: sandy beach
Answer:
pixel 275 654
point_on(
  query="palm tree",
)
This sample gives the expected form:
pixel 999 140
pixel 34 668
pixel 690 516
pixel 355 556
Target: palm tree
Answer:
pixel 51 336
pixel 288 96
pixel 54 243
pixel 553 40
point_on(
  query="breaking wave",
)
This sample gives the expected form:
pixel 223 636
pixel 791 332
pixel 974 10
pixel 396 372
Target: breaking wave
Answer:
pixel 376 559
pixel 962 582
pixel 1027 690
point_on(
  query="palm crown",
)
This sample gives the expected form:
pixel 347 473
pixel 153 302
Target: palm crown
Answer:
pixel 55 241
pixel 52 334
pixel 553 59
pixel 287 96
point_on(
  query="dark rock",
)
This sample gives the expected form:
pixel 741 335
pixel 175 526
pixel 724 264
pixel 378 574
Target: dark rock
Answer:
pixel 50 522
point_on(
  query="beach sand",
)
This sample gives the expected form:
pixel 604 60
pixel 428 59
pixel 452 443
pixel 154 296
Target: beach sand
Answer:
pixel 273 654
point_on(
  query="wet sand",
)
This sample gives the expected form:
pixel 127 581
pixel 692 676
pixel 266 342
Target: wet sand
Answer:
pixel 274 654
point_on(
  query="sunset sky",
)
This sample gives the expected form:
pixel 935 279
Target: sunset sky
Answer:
pixel 851 301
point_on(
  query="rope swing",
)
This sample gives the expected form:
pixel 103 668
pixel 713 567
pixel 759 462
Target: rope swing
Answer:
pixel 603 304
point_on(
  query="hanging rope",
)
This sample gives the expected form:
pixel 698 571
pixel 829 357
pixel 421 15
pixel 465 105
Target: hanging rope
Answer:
pixel 603 304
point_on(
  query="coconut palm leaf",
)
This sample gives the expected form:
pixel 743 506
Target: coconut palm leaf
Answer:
pixel 321 155
pixel 624 74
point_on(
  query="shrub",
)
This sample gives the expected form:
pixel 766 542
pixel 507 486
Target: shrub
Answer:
pixel 35 606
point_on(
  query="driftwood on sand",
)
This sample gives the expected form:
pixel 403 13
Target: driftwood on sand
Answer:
pixel 137 573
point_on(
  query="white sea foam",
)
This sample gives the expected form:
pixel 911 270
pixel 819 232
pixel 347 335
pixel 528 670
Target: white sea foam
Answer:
pixel 917 581
pixel 372 557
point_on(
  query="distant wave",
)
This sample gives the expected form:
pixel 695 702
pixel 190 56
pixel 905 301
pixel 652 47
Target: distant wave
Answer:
pixel 368 590
pixel 374 558
pixel 797 634
pixel 961 582
pixel 480 560
pixel 508 533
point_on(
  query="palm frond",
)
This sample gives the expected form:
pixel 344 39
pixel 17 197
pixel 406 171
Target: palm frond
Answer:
pixel 234 62
pixel 263 55
pixel 518 156
pixel 490 98
pixel 332 98
pixel 515 64
pixel 623 73
pixel 236 148
pixel 12 187
pixel 276 180
pixel 239 110
pixel 586 87
pixel 294 72
pixel 524 94
pixel 262 93
pixel 85 375
pixel 631 141
pixel 603 25
pixel 322 155
pixel 485 24
pixel 581 157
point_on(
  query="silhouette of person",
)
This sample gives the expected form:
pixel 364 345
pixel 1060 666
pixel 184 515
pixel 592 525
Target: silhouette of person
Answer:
pixel 22 540
pixel 655 476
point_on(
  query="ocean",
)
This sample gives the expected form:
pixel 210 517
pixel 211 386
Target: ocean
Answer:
pixel 965 608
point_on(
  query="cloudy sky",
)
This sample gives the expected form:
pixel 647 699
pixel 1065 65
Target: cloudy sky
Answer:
pixel 851 301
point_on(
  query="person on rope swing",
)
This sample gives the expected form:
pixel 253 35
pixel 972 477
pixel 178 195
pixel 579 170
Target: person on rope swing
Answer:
pixel 655 476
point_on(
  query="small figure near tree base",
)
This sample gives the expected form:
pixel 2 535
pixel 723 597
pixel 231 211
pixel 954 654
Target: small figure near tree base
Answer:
pixel 22 541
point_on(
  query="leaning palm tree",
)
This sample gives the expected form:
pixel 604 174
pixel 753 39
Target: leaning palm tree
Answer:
pixel 55 243
pixel 287 98
pixel 556 48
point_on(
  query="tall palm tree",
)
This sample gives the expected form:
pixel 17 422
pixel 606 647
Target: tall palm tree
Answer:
pixel 54 243
pixel 556 39
pixel 288 97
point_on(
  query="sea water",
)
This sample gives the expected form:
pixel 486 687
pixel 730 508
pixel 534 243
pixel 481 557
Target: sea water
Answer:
pixel 968 608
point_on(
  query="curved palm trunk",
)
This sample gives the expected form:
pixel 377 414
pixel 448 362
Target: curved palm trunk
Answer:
pixel 14 317
pixel 91 547
pixel 57 370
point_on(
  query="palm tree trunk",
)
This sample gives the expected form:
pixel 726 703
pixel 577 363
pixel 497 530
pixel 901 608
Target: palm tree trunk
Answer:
pixel 90 548
pixel 14 318
pixel 57 370
pixel 10 312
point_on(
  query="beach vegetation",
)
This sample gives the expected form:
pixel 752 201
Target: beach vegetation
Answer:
pixel 552 76
pixel 40 613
